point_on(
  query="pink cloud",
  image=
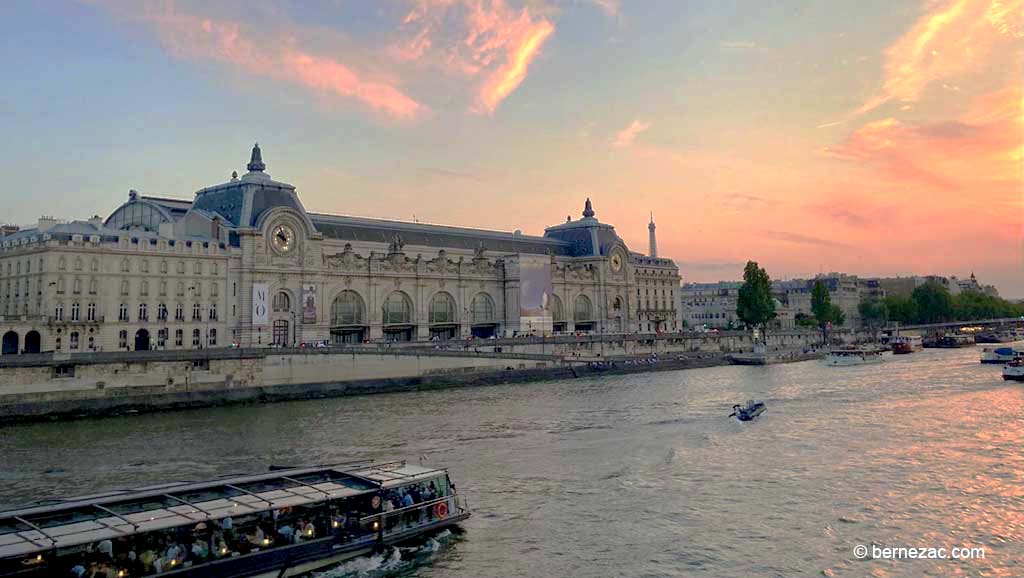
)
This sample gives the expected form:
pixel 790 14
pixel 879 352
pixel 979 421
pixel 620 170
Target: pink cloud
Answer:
pixel 488 39
pixel 951 39
pixel 626 136
pixel 981 150
pixel 193 37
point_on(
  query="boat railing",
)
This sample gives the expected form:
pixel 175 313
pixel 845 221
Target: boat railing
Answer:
pixel 409 517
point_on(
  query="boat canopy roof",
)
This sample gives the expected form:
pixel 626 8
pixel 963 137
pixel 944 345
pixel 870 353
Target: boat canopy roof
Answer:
pixel 86 519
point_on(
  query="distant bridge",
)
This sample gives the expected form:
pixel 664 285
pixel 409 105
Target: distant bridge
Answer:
pixel 988 323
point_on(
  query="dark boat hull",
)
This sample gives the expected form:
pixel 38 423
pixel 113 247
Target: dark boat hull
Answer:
pixel 306 557
pixel 748 415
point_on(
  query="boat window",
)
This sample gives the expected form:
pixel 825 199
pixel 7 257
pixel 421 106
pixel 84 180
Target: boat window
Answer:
pixel 208 495
pixel 153 503
pixel 266 485
pixel 48 520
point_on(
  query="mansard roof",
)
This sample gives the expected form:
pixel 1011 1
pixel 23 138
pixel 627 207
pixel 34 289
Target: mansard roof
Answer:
pixel 442 236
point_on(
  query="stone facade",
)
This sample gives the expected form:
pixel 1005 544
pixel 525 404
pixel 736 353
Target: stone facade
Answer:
pixel 245 264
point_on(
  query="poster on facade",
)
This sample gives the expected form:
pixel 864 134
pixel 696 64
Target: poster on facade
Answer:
pixel 309 303
pixel 534 293
pixel 259 303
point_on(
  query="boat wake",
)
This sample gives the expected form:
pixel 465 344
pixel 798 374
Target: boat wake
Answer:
pixel 393 562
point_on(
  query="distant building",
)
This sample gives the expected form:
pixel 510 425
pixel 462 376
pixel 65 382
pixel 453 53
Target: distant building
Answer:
pixel 904 286
pixel 710 304
pixel 714 304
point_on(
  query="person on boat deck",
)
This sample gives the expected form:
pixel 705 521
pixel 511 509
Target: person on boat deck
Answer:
pixel 106 548
pixel 407 500
pixel 257 537
pixel 286 532
pixel 172 552
pixel 147 557
pixel 218 547
pixel 199 549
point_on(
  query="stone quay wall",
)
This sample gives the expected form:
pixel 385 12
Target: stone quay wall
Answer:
pixel 48 386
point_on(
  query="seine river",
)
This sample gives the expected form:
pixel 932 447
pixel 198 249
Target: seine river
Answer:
pixel 639 475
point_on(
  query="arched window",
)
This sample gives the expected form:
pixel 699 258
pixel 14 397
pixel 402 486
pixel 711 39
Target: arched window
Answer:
pixel 483 308
pixel 122 314
pixel 196 337
pixel 617 304
pixel 90 312
pixel 74 311
pixel 397 309
pixel 582 309
pixel 556 309
pixel 282 302
pixel 442 308
pixel 74 340
pixel 348 309
pixel 212 338
pixel 59 312
pixel 143 312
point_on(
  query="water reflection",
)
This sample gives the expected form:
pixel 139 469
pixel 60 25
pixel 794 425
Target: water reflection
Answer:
pixel 638 475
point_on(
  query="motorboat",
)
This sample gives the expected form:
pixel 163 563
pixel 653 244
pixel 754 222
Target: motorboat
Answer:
pixel 748 411
pixel 903 345
pixel 997 354
pixel 1014 371
pixel 844 356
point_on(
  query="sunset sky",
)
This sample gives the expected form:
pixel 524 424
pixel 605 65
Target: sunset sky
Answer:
pixel 874 137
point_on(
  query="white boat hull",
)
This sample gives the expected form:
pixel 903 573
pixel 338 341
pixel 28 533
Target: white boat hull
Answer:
pixel 850 360
pixel 1013 372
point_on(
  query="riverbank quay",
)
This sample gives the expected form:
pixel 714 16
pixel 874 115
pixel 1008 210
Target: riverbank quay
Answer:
pixel 47 386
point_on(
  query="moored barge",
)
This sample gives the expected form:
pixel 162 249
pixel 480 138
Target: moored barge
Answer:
pixel 272 525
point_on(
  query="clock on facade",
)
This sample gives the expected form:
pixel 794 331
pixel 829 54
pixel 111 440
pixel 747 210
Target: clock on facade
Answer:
pixel 283 239
pixel 616 262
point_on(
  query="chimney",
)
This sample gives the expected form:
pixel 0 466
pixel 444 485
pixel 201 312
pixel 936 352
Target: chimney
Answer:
pixel 45 224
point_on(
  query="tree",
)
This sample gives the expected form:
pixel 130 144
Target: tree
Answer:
pixel 901 309
pixel 933 303
pixel 836 316
pixel 873 313
pixel 821 304
pixel 804 320
pixel 755 306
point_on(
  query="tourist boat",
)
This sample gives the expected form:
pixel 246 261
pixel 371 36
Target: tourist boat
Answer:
pixel 905 344
pixel 283 523
pixel 853 356
pixel 1014 371
pixel 950 341
pixel 748 411
pixel 995 337
pixel 997 354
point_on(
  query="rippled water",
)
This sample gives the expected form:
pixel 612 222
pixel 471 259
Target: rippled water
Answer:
pixel 639 475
